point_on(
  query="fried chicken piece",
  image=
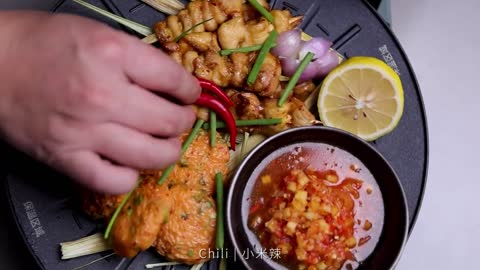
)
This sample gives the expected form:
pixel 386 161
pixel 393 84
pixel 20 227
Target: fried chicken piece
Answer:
pixel 190 227
pixel 268 80
pixel 237 33
pixel 247 105
pixel 303 90
pixel 151 206
pixel 234 24
pixel 99 206
pixel 241 65
pixel 197 11
pixel 213 67
pixel 137 225
pixel 283 20
pixel 293 114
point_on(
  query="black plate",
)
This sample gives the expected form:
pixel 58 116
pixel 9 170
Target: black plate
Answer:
pixel 355 28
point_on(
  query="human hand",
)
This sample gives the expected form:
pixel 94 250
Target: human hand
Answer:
pixel 74 95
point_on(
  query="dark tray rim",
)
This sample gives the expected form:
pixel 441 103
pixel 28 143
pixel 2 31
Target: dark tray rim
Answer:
pixel 389 30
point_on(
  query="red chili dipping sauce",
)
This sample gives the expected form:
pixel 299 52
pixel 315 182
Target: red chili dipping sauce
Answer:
pixel 318 206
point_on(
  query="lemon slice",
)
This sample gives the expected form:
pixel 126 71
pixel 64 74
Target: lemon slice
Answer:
pixel 363 96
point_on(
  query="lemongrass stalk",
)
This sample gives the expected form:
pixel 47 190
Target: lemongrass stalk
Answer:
pixel 197 266
pixel 312 99
pixel 139 28
pixel 150 39
pixel 93 262
pixel 162 264
pixel 242 151
pixel 85 246
pixel 169 7
pixel 245 143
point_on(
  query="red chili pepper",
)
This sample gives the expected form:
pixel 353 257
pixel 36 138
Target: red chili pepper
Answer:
pixel 215 90
pixel 206 100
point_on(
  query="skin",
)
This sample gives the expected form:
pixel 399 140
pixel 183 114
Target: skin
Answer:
pixel 90 101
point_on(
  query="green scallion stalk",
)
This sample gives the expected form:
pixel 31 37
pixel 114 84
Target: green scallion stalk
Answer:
pixel 182 35
pixel 265 13
pixel 141 29
pixel 213 128
pixel 252 77
pixel 248 49
pixel 185 146
pixel 296 76
pixel 219 241
pixel 119 209
pixel 249 122
pixel 223 264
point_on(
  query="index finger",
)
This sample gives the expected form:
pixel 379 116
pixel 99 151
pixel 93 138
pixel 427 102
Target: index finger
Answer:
pixel 152 69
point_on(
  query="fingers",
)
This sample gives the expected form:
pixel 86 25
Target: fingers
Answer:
pixel 144 111
pixel 100 175
pixel 135 149
pixel 152 69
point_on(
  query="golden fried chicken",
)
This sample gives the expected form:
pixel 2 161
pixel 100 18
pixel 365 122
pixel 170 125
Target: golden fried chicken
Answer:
pixel 177 217
pixel 293 113
pixel 231 24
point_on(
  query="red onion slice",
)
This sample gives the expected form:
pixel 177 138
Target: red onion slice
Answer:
pixel 288 44
pixel 317 45
pixel 290 65
pixel 326 63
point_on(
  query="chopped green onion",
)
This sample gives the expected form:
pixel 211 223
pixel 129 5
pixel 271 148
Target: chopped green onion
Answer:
pixel 182 35
pixel 141 29
pixel 262 10
pixel 223 264
pixel 213 128
pixel 252 77
pixel 192 135
pixel 220 230
pixel 249 122
pixel 253 48
pixel 185 146
pixel 296 76
pixel 119 209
